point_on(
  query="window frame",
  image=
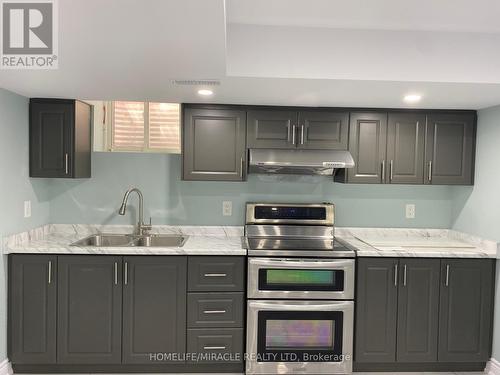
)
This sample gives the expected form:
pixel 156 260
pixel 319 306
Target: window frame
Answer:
pixel 146 145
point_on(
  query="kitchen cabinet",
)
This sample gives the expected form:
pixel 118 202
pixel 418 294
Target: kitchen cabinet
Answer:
pixel 32 309
pixel 214 144
pixel 465 317
pixel 60 138
pixel 405 148
pixel 154 306
pixel 367 144
pixel 450 148
pixel 290 129
pixel 89 309
pixel 434 312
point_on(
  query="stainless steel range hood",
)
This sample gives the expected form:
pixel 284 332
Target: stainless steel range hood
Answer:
pixel 318 162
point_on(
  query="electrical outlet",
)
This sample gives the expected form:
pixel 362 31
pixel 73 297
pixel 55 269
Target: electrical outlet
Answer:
pixel 27 209
pixel 227 208
pixel 410 211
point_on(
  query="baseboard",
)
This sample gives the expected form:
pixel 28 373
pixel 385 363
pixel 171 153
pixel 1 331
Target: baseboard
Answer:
pixel 493 367
pixel 6 368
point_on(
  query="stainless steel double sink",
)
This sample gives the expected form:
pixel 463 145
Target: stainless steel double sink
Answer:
pixel 128 240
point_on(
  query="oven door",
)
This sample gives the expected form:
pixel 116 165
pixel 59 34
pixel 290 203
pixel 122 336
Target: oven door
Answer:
pixel 312 337
pixel 270 278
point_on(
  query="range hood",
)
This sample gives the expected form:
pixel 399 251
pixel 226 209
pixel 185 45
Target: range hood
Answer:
pixel 317 162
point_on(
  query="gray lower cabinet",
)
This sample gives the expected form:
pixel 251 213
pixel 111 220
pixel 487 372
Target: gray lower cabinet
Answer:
pixel 433 312
pixel 450 148
pixel 376 310
pixel 154 307
pixel 214 144
pixel 367 144
pixel 216 274
pixel 216 344
pixel 465 317
pixel 89 322
pixel 405 148
pixel 32 309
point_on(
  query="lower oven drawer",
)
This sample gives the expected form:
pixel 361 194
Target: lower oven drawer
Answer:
pixel 205 310
pixel 281 278
pixel 216 344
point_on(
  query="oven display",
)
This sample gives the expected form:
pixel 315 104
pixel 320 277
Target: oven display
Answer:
pixel 290 213
pixel 301 279
pixel 282 334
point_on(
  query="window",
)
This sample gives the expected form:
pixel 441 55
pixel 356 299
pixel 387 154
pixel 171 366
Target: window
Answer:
pixel 145 126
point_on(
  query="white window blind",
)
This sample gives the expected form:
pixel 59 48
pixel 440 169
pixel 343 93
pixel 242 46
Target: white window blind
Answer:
pixel 147 127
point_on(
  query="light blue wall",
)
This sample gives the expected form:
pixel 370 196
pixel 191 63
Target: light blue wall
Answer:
pixel 477 209
pixel 16 187
pixel 170 200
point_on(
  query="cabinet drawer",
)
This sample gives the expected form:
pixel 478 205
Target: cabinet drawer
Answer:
pixel 216 274
pixel 216 341
pixel 215 310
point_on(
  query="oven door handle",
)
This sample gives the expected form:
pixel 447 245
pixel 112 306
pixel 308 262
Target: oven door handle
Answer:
pixel 311 306
pixel 337 263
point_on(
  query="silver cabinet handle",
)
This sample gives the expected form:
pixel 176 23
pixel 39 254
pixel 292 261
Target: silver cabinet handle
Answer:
pixel 404 275
pixel 447 281
pixel 293 133
pixel 49 272
pixel 302 134
pixel 66 163
pixel 125 273
pixel 214 347
pixel 383 171
pixel 391 164
pixel 288 135
pixel 215 275
pixel 241 167
pixel 116 273
pixel 214 312
pixel 396 274
pixel 430 171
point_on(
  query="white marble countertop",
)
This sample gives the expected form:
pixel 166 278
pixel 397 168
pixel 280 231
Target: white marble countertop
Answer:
pixel 57 239
pixel 423 243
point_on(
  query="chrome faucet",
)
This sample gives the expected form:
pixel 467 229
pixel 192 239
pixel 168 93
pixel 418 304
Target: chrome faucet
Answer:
pixel 141 229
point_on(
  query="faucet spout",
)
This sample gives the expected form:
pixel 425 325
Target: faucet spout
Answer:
pixel 141 228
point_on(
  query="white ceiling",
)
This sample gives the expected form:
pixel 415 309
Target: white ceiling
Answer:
pixel 297 52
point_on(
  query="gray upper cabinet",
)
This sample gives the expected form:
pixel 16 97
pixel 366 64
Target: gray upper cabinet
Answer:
pixel 376 310
pixel 405 148
pixel 323 130
pixel 450 148
pixel 32 309
pixel 60 138
pixel 89 309
pixel 154 307
pixel 367 144
pixel 418 310
pixel 272 128
pixel 465 317
pixel 214 144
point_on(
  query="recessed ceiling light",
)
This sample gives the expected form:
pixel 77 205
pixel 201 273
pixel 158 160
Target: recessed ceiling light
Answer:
pixel 412 98
pixel 205 92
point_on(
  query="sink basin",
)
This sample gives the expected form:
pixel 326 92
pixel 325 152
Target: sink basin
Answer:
pixel 127 240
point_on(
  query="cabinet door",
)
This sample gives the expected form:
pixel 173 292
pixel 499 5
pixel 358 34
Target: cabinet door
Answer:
pixel 89 309
pixel 272 128
pixel 323 130
pixel 367 143
pixel 418 310
pixel 51 138
pixel 154 307
pixel 466 307
pixel 376 310
pixel 214 145
pixel 450 149
pixel 405 148
pixel 32 309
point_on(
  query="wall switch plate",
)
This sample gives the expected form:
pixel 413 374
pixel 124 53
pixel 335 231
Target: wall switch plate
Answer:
pixel 227 208
pixel 27 209
pixel 410 211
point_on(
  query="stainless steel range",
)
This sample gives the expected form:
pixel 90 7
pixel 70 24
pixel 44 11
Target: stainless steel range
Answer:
pixel 300 291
